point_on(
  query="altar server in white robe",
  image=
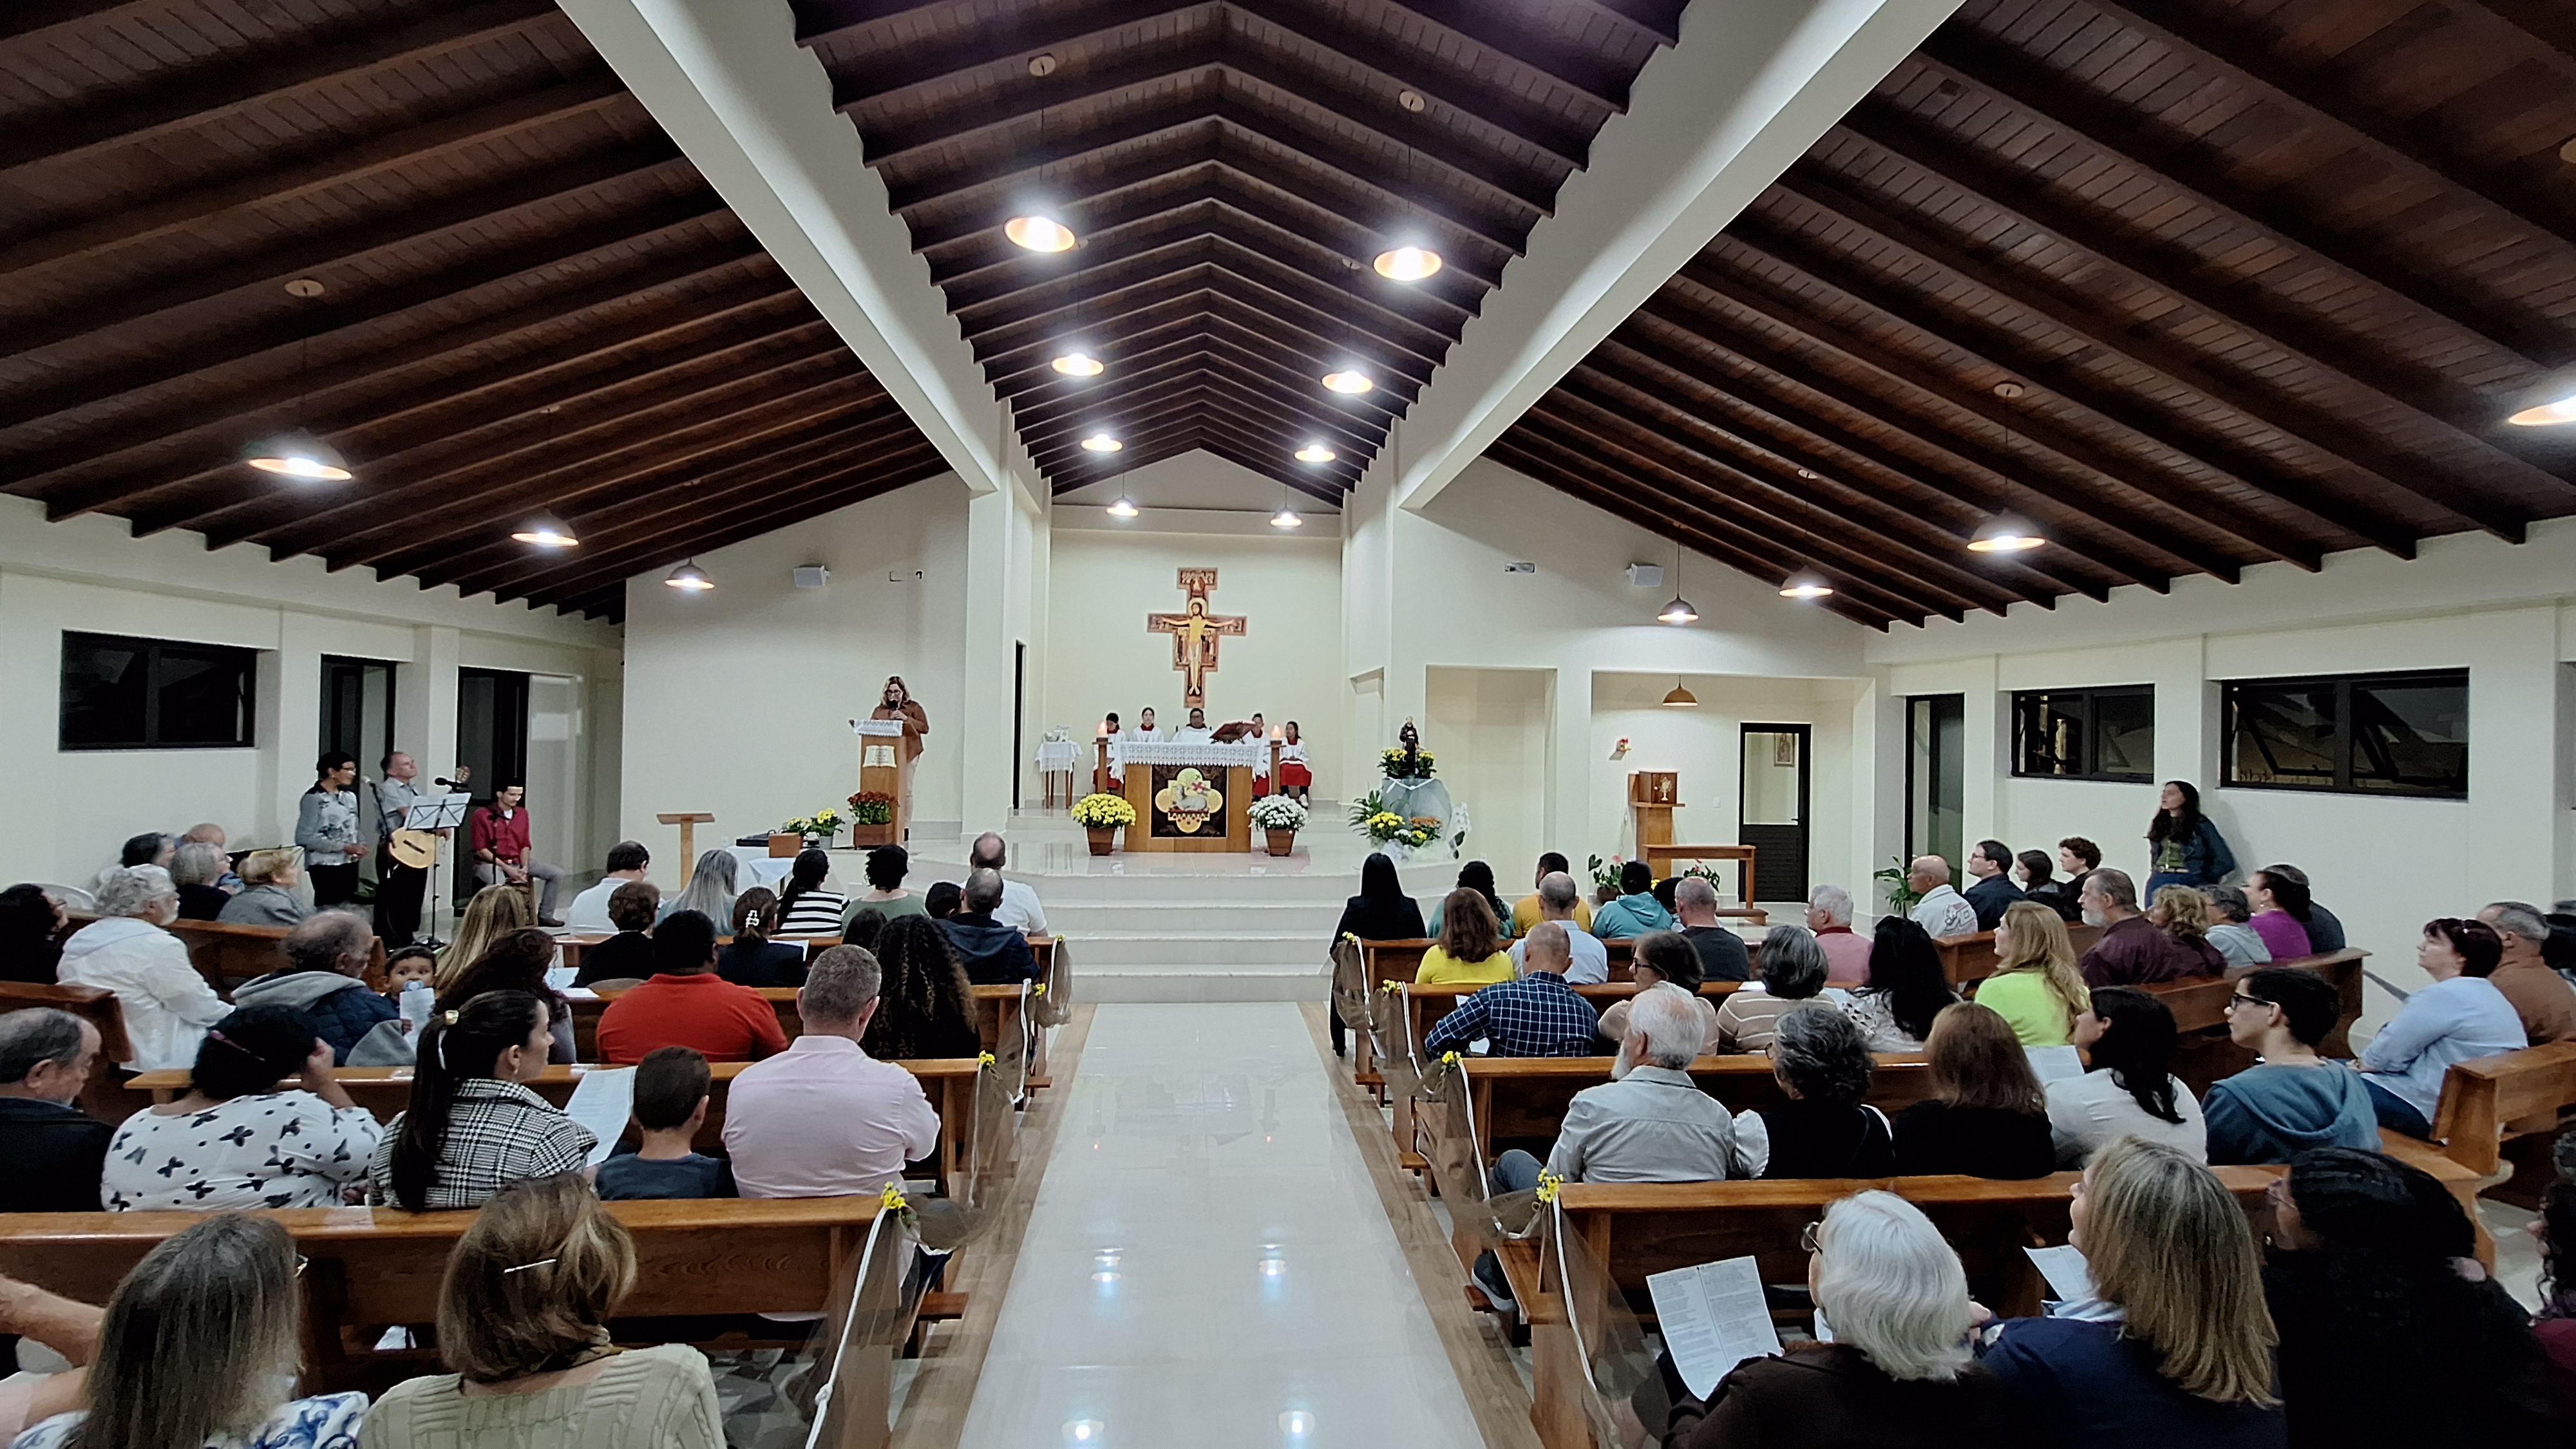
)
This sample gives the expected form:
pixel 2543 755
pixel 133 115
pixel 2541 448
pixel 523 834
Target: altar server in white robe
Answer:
pixel 1110 740
pixel 1196 732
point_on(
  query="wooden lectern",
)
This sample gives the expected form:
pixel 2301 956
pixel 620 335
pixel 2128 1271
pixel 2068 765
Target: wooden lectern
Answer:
pixel 688 821
pixel 1654 795
pixel 881 769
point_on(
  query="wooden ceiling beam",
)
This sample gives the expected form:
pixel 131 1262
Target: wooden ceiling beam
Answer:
pixel 340 165
pixel 2438 401
pixel 2140 349
pixel 1283 475
pixel 1204 400
pixel 1197 420
pixel 1594 78
pixel 1240 369
pixel 220 85
pixel 1361 416
pixel 1123 351
pixel 1214 332
pixel 2547 24
pixel 1322 338
pixel 1108 191
pixel 822 21
pixel 1766 243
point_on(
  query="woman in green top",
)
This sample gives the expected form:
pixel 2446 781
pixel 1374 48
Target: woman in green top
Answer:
pixel 2034 985
pixel 1475 876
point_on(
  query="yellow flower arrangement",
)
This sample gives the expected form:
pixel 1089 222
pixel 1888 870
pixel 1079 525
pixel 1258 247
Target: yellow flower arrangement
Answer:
pixel 892 1199
pixel 1103 811
pixel 983 1059
pixel 1548 1183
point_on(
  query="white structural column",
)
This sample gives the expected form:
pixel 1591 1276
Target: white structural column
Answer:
pixel 983 739
pixel 1711 122
pixel 1207 1261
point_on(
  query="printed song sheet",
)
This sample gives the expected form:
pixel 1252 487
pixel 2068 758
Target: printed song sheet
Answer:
pixel 1713 1318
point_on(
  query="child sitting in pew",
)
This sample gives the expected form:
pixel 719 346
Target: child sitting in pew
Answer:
pixel 670 1105
pixel 410 964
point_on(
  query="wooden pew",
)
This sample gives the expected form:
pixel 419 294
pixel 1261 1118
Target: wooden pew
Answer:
pixel 1972 957
pixel 227 954
pixel 105 1096
pixel 1639 1229
pixel 997 1015
pixel 949 1082
pixel 1382 961
pixel 2494 1127
pixel 1525 1098
pixel 1425 1005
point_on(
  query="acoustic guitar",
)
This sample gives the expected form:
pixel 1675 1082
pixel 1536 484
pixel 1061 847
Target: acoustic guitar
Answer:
pixel 417 849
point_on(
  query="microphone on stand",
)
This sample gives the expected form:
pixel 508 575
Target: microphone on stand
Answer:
pixel 449 784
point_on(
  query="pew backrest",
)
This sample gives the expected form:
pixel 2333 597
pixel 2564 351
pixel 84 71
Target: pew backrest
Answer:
pixel 1428 1004
pixel 104 1095
pixel 1525 1098
pixel 2482 1100
pixel 1972 957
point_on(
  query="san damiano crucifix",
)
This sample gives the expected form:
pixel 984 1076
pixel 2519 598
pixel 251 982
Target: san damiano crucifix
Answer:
pixel 1194 633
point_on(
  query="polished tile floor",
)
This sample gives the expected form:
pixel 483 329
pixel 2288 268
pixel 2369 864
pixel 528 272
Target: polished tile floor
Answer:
pixel 1207 1262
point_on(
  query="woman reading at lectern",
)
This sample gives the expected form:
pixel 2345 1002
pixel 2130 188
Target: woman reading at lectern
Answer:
pixel 899 704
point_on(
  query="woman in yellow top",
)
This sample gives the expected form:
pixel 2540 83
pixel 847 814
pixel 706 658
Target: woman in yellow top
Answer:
pixel 2034 986
pixel 1470 949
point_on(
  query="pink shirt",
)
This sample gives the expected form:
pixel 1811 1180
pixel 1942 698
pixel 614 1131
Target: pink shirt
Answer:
pixel 825 1119
pixel 1846 956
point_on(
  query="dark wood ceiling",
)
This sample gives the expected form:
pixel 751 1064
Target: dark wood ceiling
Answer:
pixel 501 230
pixel 1232 170
pixel 2269 275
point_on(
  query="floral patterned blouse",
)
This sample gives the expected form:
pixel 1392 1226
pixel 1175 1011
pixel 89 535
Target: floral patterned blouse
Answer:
pixel 327 1421
pixel 264 1150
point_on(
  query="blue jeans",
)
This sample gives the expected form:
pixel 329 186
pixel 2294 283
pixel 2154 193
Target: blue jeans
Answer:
pixel 1514 1171
pixel 2158 881
pixel 2395 1112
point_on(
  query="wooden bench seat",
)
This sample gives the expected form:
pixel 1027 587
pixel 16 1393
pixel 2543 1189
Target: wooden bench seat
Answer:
pixel 1971 957
pixel 1524 1098
pixel 2494 1127
pixel 997 1015
pixel 226 955
pixel 104 1096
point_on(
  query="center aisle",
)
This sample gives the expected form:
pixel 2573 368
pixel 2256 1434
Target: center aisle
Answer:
pixel 1207 1261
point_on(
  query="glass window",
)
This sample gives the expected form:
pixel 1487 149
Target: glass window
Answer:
pixel 145 694
pixel 2085 734
pixel 2380 734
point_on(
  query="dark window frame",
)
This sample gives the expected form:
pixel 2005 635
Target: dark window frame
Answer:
pixel 2057 701
pixel 157 655
pixel 2340 743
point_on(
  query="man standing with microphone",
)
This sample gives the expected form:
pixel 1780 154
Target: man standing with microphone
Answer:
pixel 401 888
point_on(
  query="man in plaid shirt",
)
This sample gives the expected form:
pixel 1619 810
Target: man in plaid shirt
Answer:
pixel 1535 1016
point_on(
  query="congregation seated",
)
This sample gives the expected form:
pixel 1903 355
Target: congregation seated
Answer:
pixel 941 901
pixel 994 954
pixel 167 1005
pixel 2325 933
pixel 1535 1015
pixel 710 891
pixel 1905 990
pixel 925 1005
pixel 751 958
pixel 2034 985
pixel 1380 912
pixel 1019 909
pixel 2459 1018
pixel 200 1348
pixel 1986 1116
pixel 1990 868
pixel 2390 1330
pixel 523 1320
pixel 1529 910
pixel 1635 911
pixel 2040 885
pixel 194 868
pixel 2228 929
pixel 207 832
pixel 1791 975
pixel 1823 1128
pixel 2128 1088
pixel 685 1003
pixel 31 926
pixel 1722 956
pixel 150 848
pixel 517 962
pixel 1829 916
pixel 823 1118
pixel 1663 958
pixel 2173 1348
pixel 2555 1326
pixel 2292 1100
pixel 1559 901
pixel 263 1125
pixel 472 1124
pixel 670 1104
pixel 494 912
pixel 67 1327
pixel 55 1152
pixel 1898 1373
pixel 268 897
pixel 805 907
pixel 2135 951
pixel 2077 859
pixel 327 955
pixel 627 861
pixel 886 867
pixel 867 923
pixel 1476 876
pixel 2281 911
pixel 1467 944
pixel 2540 996
pixel 1940 910
pixel 627 956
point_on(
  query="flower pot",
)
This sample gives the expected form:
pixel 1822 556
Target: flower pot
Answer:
pixel 869 837
pixel 785 847
pixel 1104 838
pixel 1282 841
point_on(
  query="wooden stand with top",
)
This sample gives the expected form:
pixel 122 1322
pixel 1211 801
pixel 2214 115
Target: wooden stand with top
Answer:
pixel 881 770
pixel 1653 796
pixel 688 821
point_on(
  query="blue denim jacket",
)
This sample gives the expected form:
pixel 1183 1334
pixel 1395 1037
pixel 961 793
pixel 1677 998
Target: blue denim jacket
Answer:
pixel 2206 860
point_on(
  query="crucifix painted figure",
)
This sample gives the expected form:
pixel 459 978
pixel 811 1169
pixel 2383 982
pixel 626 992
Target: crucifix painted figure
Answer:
pixel 1194 633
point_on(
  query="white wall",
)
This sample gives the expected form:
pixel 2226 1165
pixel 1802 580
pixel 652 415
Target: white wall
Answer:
pixel 736 700
pixel 70 810
pixel 1496 730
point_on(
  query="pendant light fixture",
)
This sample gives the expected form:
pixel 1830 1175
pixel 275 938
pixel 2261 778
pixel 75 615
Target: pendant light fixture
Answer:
pixel 544 529
pixel 1101 443
pixel 296 453
pixel 1080 364
pixel 1679 610
pixel 1349 380
pixel 1316 453
pixel 1408 261
pixel 2547 414
pixel 1805 584
pixel 1680 698
pixel 1286 518
pixel 689 578
pixel 1123 507
pixel 1038 228
pixel 2006 532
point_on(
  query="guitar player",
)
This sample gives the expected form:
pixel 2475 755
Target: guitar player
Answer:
pixel 400 888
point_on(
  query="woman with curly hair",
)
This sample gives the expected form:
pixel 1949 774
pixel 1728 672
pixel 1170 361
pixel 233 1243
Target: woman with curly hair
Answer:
pixel 925 1008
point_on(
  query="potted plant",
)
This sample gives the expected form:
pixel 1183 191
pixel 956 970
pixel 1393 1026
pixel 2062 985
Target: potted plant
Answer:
pixel 1281 817
pixel 871 819
pixel 1100 816
pixel 789 838
pixel 823 827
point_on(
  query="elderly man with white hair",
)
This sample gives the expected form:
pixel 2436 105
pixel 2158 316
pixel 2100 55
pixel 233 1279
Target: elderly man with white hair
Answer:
pixel 1942 911
pixel 167 1005
pixel 1558 900
pixel 1829 915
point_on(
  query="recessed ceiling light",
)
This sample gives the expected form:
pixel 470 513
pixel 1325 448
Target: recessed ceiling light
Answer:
pixel 689 578
pixel 1351 381
pixel 2545 415
pixel 1407 264
pixel 1039 232
pixel 2005 533
pixel 546 531
pixel 1806 472
pixel 1412 101
pixel 1316 453
pixel 1805 584
pixel 1042 64
pixel 298 454
pixel 1080 364
pixel 1286 518
pixel 2009 390
pixel 1101 443
pixel 1123 508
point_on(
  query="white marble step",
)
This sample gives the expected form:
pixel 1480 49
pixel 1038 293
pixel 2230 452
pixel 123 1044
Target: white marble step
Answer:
pixel 1209 949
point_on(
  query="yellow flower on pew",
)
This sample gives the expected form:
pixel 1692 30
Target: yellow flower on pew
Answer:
pixel 983 1059
pixel 1390 987
pixel 892 1199
pixel 1448 1059
pixel 1041 991
pixel 1548 1183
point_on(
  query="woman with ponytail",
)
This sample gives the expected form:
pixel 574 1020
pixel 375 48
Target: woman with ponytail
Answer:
pixel 473 1125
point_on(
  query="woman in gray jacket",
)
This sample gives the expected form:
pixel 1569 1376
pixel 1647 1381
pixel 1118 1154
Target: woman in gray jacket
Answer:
pixel 326 825
pixel 269 878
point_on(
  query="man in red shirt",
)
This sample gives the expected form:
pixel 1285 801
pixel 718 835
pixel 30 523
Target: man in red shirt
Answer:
pixel 498 835
pixel 685 1003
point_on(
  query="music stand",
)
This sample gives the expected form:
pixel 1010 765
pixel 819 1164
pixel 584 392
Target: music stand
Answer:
pixel 446 812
